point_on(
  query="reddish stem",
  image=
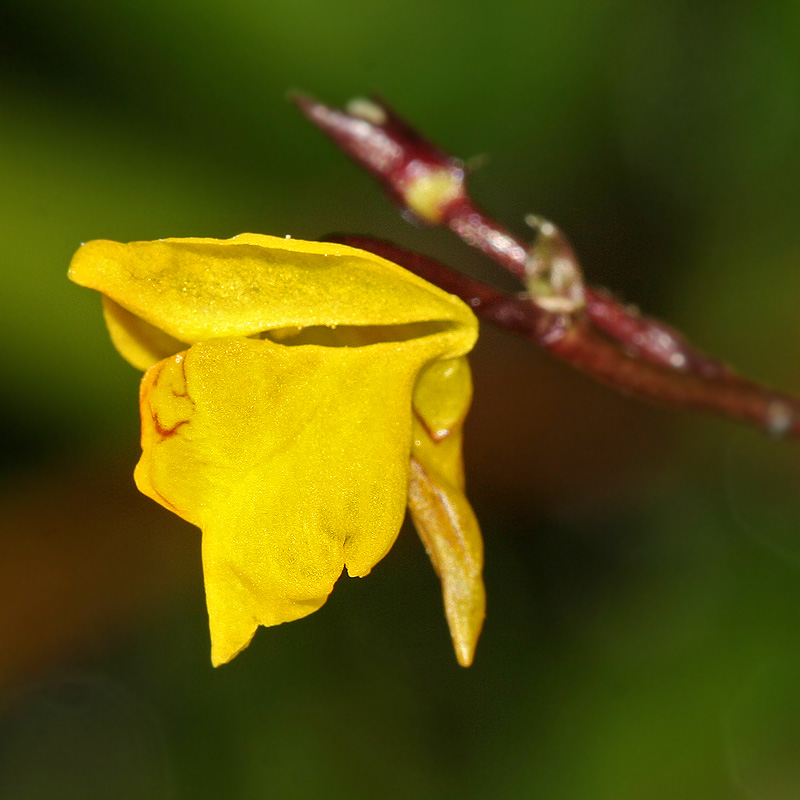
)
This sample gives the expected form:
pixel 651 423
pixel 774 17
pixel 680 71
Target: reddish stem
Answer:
pixel 578 344
pixel 607 340
pixel 381 142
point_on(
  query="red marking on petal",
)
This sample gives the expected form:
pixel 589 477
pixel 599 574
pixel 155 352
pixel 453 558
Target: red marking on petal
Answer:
pixel 166 433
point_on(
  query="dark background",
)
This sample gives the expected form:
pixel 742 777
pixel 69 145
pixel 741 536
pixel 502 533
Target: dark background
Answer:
pixel 643 566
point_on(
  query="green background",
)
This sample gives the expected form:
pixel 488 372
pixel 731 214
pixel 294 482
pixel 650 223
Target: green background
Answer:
pixel 643 566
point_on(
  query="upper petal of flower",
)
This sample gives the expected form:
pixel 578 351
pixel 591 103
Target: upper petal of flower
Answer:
pixel 191 290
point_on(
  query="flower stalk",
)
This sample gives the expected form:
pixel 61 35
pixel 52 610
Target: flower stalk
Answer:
pixel 582 325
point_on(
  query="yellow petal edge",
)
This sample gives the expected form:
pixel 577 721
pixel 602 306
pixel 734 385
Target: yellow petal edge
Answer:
pixel 296 396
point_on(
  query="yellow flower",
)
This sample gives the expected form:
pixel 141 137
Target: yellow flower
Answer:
pixel 296 396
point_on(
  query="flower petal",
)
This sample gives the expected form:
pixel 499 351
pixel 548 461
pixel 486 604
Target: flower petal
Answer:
pixel 442 395
pixel 198 289
pixel 293 461
pixel 139 342
pixel 439 508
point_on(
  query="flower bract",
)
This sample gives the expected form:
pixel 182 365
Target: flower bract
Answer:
pixel 296 397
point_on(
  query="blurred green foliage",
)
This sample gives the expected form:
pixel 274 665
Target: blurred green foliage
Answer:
pixel 643 568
